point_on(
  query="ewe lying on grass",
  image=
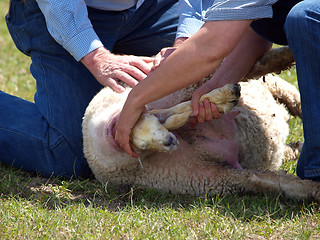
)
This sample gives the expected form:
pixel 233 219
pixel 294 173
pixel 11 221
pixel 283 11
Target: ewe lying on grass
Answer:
pixel 232 154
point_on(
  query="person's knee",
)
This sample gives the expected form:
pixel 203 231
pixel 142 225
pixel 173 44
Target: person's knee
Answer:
pixel 297 19
pixel 293 20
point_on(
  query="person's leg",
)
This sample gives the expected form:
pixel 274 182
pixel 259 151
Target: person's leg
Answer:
pixel 149 29
pixel 303 34
pixel 46 136
pixel 273 28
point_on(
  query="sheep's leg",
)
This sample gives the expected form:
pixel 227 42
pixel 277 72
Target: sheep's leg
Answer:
pixel 188 175
pixel 288 185
pixel 292 150
pixel 175 117
pixel 285 93
pixel 273 61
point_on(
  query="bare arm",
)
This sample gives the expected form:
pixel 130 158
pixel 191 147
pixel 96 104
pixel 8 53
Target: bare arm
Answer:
pixel 194 59
pixel 250 48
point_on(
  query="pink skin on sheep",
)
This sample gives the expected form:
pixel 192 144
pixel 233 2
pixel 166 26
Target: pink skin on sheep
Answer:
pixel 218 138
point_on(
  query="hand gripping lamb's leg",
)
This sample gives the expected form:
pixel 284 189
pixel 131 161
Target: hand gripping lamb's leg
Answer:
pixel 151 132
pixel 175 117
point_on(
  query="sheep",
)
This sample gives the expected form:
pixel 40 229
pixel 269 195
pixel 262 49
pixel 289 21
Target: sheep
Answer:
pixel 240 152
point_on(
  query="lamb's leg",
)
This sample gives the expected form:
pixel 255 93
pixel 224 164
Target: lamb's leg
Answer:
pixel 175 117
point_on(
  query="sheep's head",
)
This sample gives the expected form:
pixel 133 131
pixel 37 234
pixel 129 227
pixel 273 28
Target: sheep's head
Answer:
pixel 149 134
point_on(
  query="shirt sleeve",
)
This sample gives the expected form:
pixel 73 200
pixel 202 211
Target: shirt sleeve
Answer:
pixel 190 18
pixel 239 10
pixel 69 25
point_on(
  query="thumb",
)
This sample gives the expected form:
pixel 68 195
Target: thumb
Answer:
pixel 195 104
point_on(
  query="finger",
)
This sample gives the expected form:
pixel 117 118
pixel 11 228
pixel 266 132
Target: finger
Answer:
pixel 207 109
pixel 162 55
pixel 127 148
pixel 195 105
pixel 215 112
pixel 115 86
pixel 135 72
pixel 201 115
pixel 126 78
pixel 157 61
pixel 141 66
pixel 123 143
pixel 147 59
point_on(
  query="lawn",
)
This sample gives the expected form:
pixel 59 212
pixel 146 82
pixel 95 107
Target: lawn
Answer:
pixel 33 207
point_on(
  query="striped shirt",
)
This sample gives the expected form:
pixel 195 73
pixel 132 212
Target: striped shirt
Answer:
pixel 69 25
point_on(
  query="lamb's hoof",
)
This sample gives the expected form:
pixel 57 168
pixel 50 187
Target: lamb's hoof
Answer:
pixel 237 90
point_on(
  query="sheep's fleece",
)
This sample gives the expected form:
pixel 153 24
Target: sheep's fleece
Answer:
pixel 255 138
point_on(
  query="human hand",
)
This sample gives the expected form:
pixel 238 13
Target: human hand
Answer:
pixel 126 121
pixel 109 68
pixel 165 52
pixel 203 111
pixel 162 55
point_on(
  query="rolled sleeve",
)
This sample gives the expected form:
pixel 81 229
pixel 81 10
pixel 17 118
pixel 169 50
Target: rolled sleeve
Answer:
pixel 188 27
pixel 190 20
pixel 69 25
pixel 239 10
pixel 83 43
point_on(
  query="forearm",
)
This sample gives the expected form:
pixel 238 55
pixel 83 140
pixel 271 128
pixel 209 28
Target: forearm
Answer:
pixel 197 57
pixel 240 61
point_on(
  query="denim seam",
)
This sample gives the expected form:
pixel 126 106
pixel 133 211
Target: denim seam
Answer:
pixel 24 135
pixel 45 87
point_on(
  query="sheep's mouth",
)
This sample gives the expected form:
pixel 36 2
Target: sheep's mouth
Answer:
pixel 111 131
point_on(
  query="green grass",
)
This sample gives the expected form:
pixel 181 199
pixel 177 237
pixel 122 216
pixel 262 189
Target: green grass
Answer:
pixel 32 207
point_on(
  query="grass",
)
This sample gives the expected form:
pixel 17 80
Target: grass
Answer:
pixel 33 207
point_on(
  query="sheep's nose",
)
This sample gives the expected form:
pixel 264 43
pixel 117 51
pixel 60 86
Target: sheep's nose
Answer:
pixel 170 141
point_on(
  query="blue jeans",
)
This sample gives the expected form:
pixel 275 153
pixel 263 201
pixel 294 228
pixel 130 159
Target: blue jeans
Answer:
pixel 45 136
pixel 303 33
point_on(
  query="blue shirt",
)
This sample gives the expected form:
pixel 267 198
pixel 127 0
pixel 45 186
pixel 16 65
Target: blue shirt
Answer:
pixel 193 13
pixel 69 25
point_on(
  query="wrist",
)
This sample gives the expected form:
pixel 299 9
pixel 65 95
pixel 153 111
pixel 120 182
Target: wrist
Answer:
pixel 91 58
pixel 135 100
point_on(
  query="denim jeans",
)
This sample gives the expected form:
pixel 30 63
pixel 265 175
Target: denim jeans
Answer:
pixel 303 33
pixel 45 136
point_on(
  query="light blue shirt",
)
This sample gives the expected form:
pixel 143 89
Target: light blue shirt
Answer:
pixel 193 13
pixel 69 25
